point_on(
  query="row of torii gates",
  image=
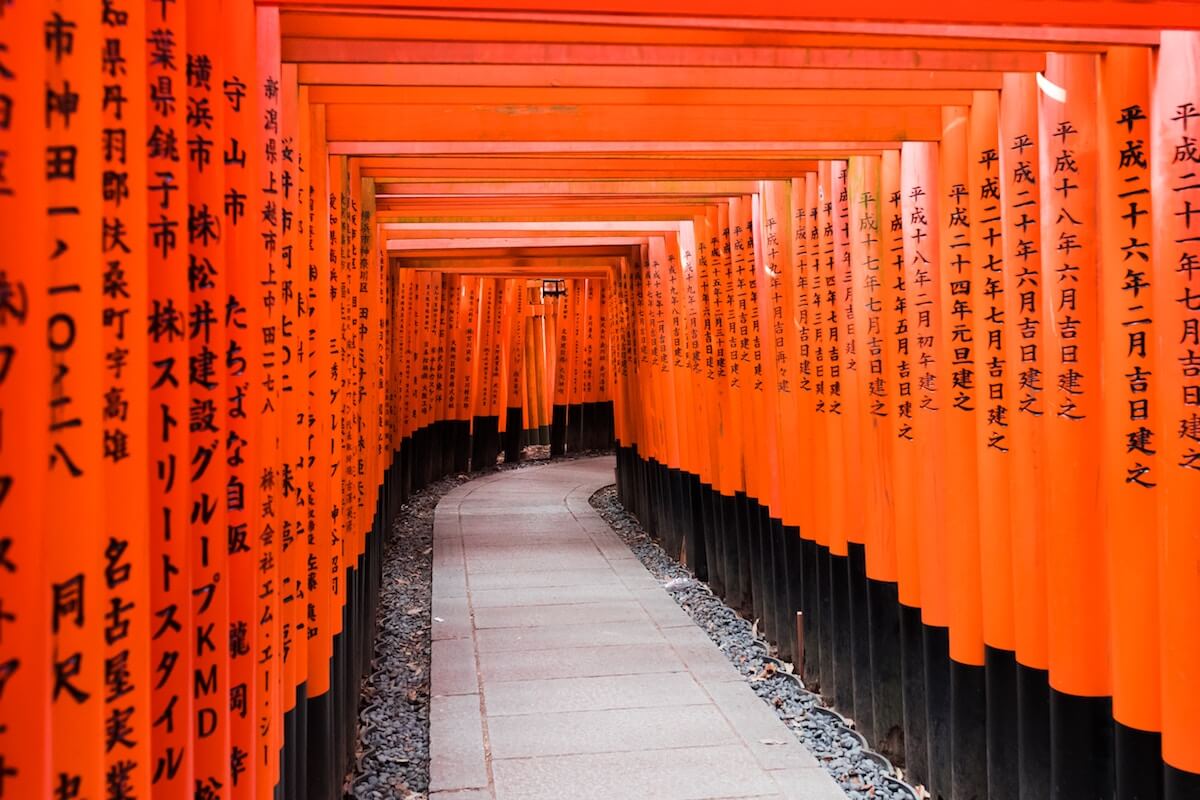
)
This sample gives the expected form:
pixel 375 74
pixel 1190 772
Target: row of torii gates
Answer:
pixel 891 309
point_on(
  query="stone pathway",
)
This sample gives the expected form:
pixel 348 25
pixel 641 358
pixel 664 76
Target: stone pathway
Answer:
pixel 562 669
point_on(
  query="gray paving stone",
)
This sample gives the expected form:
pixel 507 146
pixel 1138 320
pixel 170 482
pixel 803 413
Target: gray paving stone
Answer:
pixel 450 618
pixel 606 731
pixel 554 637
pixel 516 549
pixel 565 614
pixel 537 562
pixel 527 539
pixel 593 693
pixel 665 612
pixel 456 756
pixel 463 794
pixel 544 596
pixel 633 659
pixel 598 576
pixel 807 783
pixel 683 774
pixel 449 582
pixel 452 670
pixel 758 726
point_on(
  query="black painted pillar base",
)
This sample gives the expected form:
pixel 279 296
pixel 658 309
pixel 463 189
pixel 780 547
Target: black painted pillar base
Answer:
pixel 912 649
pixel 968 731
pixel 558 430
pixel 886 669
pixel 1180 785
pixel 758 595
pixel 735 593
pixel 745 579
pixel 1033 737
pixel 574 427
pixel 860 625
pixel 587 426
pixel 843 634
pixel 512 434
pixel 785 623
pixel 937 705
pixel 462 444
pixel 1000 667
pixel 607 424
pixel 793 578
pixel 1081 746
pixel 323 779
pixel 486 443
pixel 811 608
pixel 1138 772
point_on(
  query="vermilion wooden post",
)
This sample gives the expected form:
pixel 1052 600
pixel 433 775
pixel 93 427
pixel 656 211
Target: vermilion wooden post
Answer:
pixel 804 235
pixel 1176 199
pixel 851 254
pixel 1076 556
pixel 509 292
pixel 956 353
pixel 126 534
pixel 72 259
pixel 269 645
pixel 321 426
pixel 240 104
pixel 824 474
pixel 766 396
pixel 903 349
pixel 1128 489
pixel 920 206
pixel 207 412
pixel 872 296
pixel 779 331
pixel 811 339
pixel 25 651
pixel 167 267
pixel 994 410
pixel 293 407
pixel 1025 387
pixel 741 478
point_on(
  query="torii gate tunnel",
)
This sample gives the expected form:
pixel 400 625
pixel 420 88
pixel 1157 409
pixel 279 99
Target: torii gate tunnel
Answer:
pixel 892 311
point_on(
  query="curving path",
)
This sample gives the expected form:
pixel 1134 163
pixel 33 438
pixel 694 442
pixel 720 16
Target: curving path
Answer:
pixel 562 669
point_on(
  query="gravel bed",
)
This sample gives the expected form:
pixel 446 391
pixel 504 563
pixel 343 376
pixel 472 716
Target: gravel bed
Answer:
pixel 392 755
pixel 863 774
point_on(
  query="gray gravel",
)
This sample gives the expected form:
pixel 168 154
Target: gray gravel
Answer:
pixel 864 775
